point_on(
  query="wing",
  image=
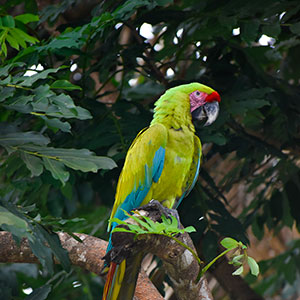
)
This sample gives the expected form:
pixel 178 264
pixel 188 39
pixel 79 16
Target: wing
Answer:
pixel 143 165
pixel 194 171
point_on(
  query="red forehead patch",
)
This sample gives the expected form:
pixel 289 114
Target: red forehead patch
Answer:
pixel 214 96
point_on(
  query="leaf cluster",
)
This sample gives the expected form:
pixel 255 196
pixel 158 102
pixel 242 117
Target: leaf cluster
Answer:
pixel 13 32
pixel 144 225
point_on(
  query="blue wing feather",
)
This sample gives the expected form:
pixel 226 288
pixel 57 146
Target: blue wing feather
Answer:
pixel 138 194
pixel 158 163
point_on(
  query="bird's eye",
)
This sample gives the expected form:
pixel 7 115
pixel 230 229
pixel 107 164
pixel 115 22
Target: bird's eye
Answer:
pixel 197 93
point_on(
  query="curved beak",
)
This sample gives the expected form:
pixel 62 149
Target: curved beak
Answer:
pixel 207 112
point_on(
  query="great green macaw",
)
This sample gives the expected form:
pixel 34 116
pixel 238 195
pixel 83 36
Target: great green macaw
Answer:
pixel 163 164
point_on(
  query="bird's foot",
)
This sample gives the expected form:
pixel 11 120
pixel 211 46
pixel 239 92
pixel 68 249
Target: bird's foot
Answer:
pixel 156 206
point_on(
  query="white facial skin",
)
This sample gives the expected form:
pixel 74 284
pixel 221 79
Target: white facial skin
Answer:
pixel 204 106
pixel 197 99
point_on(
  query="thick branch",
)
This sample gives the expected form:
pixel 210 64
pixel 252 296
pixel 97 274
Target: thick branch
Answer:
pixel 87 255
pixel 182 268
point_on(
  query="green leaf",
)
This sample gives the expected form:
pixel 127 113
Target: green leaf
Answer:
pixel 53 241
pixel 82 113
pixel 16 225
pixel 40 293
pixel 86 162
pixel 29 80
pixel 22 37
pixel 78 159
pixel 8 21
pixel 272 29
pixel 124 11
pixel 229 243
pixel 26 52
pixel 61 42
pixel 21 138
pixel 41 251
pixel 56 123
pixel 27 18
pixel 4 71
pixel 120 229
pixel 254 268
pixel 33 163
pixel 57 169
pixel 137 229
pixel 236 260
pixel 249 30
pixel 64 85
pixel 189 229
pixel 13 43
pixel 63 106
pixel 141 222
pixel 6 92
pixel 118 221
pixel 67 191
pixel 64 100
pixel 4 48
pixel 21 103
pixel 239 271
pixel 295 28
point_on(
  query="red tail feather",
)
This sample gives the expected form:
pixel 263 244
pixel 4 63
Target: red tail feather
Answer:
pixel 109 279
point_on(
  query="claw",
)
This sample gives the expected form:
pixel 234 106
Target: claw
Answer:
pixel 155 205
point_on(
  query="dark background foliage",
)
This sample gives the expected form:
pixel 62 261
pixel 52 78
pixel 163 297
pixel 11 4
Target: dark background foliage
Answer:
pixel 97 73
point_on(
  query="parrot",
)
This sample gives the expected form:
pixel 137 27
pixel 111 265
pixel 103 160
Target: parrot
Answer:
pixel 162 163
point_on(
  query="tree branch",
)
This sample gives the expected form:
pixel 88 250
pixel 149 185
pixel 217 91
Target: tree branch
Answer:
pixel 180 264
pixel 148 58
pixel 87 255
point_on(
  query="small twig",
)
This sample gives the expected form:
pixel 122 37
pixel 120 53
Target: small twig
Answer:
pixel 148 59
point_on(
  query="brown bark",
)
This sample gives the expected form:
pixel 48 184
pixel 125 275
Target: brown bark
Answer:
pixel 87 255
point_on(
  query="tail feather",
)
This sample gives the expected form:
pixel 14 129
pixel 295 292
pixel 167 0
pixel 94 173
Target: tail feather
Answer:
pixel 109 280
pixel 114 281
pixel 121 279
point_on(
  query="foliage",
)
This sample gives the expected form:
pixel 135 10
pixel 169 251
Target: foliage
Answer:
pixel 167 227
pixel 12 33
pixel 239 259
pixel 78 81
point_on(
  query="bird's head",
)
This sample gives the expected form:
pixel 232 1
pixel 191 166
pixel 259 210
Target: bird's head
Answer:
pixel 204 103
pixel 201 101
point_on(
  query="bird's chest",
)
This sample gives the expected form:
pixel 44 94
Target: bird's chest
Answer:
pixel 178 159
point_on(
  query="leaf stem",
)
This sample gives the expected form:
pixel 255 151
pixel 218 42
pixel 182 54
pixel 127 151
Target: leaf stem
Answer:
pixel 37 114
pixel 18 86
pixel 203 270
pixel 37 154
